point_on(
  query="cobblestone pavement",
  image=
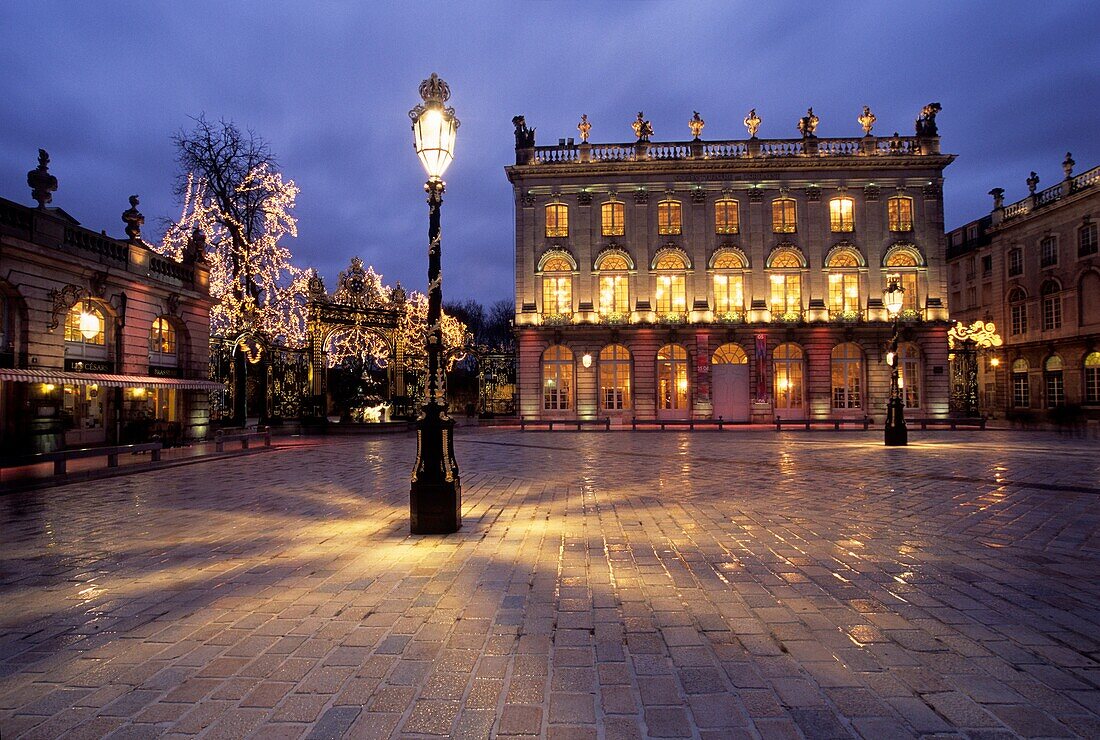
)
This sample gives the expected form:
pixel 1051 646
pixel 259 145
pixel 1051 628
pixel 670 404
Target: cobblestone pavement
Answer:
pixel 605 585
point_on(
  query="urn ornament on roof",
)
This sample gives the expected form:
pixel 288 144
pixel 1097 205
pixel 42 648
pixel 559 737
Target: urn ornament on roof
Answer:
pixel 41 182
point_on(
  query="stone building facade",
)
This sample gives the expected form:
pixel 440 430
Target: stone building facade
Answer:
pixel 737 279
pixel 101 339
pixel 1032 267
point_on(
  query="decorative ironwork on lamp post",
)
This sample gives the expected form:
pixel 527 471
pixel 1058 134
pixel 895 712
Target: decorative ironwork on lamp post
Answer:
pixel 435 498
pixel 896 433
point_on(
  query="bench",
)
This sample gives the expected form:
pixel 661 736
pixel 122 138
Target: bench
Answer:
pixel 220 438
pixel 678 423
pixel 603 424
pixel 60 458
pixel 952 422
pixel 836 423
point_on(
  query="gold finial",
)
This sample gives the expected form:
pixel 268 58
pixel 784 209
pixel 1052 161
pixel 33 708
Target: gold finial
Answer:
pixel 584 127
pixel 867 120
pixel 752 123
pixel 696 125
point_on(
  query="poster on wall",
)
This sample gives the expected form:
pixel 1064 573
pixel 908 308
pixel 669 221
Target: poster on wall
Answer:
pixel 761 368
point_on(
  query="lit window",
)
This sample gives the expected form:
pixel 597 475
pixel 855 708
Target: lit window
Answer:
pixel 672 378
pixel 669 220
pixel 787 361
pixel 1017 310
pixel 614 378
pixel 1052 378
pixel 162 337
pixel 557 220
pixel 899 212
pixel 557 378
pixel 783 216
pixel 847 376
pixel 1052 305
pixel 909 375
pixel 904 261
pixel 1021 387
pixel 1092 377
pixel 85 324
pixel 1048 252
pixel 729 287
pixel 842 214
pixel 614 285
pixel 1086 240
pixel 729 354
pixel 843 282
pixel 613 218
pixel 727 219
pixel 785 288
pixel 671 289
pixel 557 286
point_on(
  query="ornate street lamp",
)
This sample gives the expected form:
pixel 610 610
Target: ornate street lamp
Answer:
pixel 896 434
pixel 435 500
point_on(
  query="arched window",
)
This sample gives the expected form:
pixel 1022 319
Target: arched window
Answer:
pixel 789 393
pixel 613 218
pixel 904 260
pixel 1092 377
pixel 614 373
pixel 1021 385
pixel 729 354
pixel 842 215
pixel 729 282
pixel 785 283
pixel 163 349
pixel 672 378
pixel 557 378
pixel 784 216
pixel 847 376
pixel 669 217
pixel 1052 305
pixel 85 331
pixel 557 286
pixel 671 291
pixel 1086 240
pixel 614 284
pixel 910 375
pixel 727 216
pixel 1052 379
pixel 899 213
pixel 1017 311
pixel 557 220
pixel 843 266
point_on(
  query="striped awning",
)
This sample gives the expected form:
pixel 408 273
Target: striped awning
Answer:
pixel 107 380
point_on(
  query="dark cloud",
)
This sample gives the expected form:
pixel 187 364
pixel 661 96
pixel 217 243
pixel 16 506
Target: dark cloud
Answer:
pixel 103 87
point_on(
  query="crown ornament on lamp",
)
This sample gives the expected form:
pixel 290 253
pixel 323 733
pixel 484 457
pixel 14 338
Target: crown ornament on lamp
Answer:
pixel 434 127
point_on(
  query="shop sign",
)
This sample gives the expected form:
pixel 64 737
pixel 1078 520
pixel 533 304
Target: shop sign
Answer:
pixel 165 372
pixel 89 366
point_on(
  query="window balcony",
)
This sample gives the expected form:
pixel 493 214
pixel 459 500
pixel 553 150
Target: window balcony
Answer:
pixel 557 319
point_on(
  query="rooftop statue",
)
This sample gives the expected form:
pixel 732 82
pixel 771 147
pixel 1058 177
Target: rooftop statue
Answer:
pixel 525 137
pixel 1032 182
pixel 807 125
pixel 642 128
pixel 926 124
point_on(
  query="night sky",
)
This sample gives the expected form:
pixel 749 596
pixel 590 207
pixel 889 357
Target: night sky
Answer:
pixel 104 85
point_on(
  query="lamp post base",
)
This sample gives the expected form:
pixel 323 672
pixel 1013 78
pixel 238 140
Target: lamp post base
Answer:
pixel 896 433
pixel 435 508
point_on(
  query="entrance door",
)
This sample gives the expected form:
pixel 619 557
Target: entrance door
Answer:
pixel 731 392
pixel 730 380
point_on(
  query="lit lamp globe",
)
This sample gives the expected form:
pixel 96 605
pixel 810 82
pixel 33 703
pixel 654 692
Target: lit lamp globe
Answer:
pixel 90 325
pixel 434 127
pixel 893 298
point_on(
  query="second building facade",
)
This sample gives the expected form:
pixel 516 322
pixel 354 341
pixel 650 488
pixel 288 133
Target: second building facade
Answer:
pixel 740 280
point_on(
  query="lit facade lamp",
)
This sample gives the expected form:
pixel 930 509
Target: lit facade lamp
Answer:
pixel 89 325
pixel 435 499
pixel 896 434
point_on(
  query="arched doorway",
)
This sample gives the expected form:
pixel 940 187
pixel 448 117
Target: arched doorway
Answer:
pixel 358 374
pixel 673 397
pixel 730 378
